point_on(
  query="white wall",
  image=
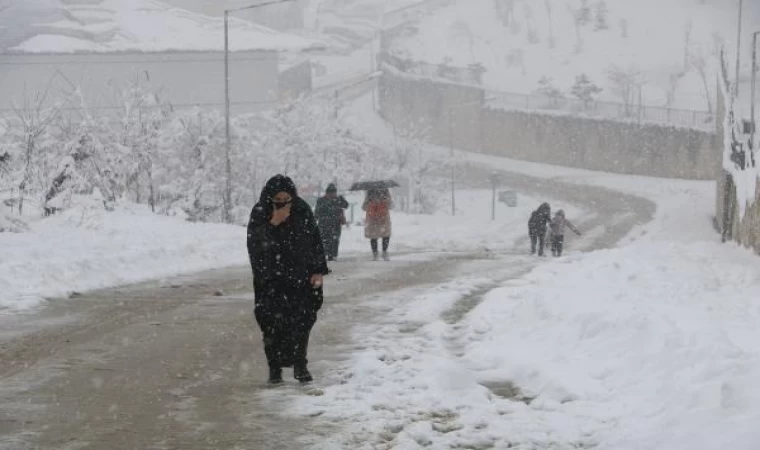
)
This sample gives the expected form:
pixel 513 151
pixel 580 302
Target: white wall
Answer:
pixel 185 79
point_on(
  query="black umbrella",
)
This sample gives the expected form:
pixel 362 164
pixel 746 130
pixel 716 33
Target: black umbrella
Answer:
pixel 373 185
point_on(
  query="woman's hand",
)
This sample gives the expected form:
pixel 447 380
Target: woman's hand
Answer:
pixel 316 280
pixel 280 215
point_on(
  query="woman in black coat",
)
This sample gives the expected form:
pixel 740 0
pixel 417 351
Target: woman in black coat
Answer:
pixel 537 224
pixel 329 212
pixel 288 263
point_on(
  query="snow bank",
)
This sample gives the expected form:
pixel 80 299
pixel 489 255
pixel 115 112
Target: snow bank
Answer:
pixel 652 345
pixel 87 248
pixel 745 178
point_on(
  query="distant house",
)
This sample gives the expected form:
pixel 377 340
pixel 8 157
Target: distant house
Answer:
pixel 90 53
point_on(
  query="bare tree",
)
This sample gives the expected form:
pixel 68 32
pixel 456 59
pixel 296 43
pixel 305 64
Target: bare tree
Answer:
pixel 699 63
pixel 530 21
pixel 623 28
pixel 585 90
pixel 670 95
pixel 419 168
pixel 549 8
pixel 578 24
pixel 35 119
pixel 687 44
pixel 627 84
pixel 600 16
pixel 547 89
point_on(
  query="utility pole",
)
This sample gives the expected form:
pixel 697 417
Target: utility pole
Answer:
pixel 738 48
pixel 227 195
pixel 752 94
pixel 451 157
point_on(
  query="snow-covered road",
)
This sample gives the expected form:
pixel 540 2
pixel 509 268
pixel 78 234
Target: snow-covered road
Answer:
pixel 169 365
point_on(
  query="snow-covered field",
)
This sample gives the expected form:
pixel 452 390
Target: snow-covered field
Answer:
pixel 88 248
pixel 653 345
pixel 656 41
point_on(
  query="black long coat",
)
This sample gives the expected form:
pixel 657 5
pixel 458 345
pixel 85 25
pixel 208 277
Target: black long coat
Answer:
pixel 285 257
pixel 329 211
pixel 539 220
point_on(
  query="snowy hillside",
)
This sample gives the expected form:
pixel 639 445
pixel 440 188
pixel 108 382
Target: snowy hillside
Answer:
pixel 669 48
pixel 134 25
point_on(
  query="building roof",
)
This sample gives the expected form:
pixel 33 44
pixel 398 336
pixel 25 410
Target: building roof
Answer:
pixel 103 26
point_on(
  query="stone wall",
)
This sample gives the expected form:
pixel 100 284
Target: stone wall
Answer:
pixel 603 145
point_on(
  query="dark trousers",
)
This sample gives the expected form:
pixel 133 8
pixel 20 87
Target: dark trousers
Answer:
pixel 558 244
pixel 286 336
pixel 331 242
pixel 386 244
pixel 537 239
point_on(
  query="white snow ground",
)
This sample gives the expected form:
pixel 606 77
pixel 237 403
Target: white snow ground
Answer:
pixel 88 248
pixel 653 345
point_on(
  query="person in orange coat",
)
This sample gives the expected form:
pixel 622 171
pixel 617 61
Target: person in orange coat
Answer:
pixel 377 205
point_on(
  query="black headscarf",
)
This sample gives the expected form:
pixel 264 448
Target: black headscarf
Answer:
pixel 275 185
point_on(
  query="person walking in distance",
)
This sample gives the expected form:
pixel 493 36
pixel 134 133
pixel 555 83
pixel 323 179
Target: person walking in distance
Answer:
pixel 331 218
pixel 377 205
pixel 288 263
pixel 537 223
pixel 558 226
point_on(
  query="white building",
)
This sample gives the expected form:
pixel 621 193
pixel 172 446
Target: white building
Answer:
pixel 102 48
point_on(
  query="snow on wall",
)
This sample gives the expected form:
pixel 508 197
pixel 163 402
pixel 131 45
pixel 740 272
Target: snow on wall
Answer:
pixel 744 176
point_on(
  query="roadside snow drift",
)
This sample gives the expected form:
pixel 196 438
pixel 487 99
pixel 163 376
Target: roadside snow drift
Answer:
pixel 654 345
pixel 88 248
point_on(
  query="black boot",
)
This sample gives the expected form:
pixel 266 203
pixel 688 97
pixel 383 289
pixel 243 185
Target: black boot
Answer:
pixel 275 375
pixel 301 373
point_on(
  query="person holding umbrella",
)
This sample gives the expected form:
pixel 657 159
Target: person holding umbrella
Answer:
pixel 377 204
pixel 288 263
pixel 331 218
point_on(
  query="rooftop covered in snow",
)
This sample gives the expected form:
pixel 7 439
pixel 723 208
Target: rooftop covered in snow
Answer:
pixel 105 26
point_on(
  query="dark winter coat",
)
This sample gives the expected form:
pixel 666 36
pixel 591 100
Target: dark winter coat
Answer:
pixel 329 213
pixel 539 220
pixel 560 223
pixel 285 257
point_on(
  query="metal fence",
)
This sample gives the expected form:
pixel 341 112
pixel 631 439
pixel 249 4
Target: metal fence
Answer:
pixel 640 113
pixel 464 75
